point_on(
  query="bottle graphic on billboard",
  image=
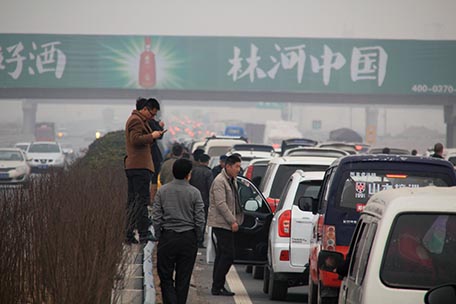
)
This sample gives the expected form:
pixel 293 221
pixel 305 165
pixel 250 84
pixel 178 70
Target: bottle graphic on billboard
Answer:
pixel 147 77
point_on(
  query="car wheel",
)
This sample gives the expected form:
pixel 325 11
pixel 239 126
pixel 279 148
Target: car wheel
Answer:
pixel 266 280
pixel 257 272
pixel 313 292
pixel 248 268
pixel 277 289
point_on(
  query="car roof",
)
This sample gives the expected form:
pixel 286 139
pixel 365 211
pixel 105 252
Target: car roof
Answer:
pixel 390 158
pixel 310 175
pixel 392 151
pixel 412 200
pixel 44 142
pixel 253 147
pixel 296 160
pixel 257 161
pixel 314 151
pixel 10 149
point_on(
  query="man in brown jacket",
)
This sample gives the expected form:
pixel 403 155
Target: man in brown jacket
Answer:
pixel 139 167
pixel 225 216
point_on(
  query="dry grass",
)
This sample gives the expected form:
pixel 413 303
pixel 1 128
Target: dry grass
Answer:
pixel 61 238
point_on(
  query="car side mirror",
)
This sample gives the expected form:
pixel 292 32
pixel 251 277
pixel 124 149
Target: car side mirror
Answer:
pixel 305 203
pixel 29 159
pixel 330 260
pixel 443 294
pixel 251 205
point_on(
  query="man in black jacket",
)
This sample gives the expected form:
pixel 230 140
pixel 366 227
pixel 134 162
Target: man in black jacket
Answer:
pixel 202 180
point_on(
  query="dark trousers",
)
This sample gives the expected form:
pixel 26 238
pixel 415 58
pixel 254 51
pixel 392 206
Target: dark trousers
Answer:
pixel 176 252
pixel 224 256
pixel 138 199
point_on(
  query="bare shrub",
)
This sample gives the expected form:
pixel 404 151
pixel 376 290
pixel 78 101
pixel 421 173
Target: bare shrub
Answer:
pixel 61 238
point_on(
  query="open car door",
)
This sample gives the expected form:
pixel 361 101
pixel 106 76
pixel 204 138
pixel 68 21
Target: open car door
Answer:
pixel 251 241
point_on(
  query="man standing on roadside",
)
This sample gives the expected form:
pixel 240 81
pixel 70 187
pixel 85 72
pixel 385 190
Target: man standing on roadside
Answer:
pixel 225 217
pixel 438 151
pixel 178 216
pixel 166 172
pixel 217 169
pixel 139 167
pixel 202 180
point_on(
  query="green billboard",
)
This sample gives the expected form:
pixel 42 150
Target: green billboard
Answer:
pixel 252 64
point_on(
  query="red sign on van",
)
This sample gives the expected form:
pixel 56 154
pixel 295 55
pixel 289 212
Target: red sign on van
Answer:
pixel 360 207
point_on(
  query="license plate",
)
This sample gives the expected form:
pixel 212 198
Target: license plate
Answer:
pixel 42 166
pixel 4 175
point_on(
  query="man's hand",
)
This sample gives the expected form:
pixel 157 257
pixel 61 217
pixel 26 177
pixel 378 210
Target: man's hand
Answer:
pixel 234 227
pixel 156 134
pixel 161 123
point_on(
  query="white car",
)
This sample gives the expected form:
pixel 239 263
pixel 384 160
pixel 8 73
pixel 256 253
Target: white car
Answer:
pixel 22 145
pixel 281 168
pixel 250 152
pixel 45 155
pixel 14 168
pixel 216 146
pixel 290 233
pixel 404 244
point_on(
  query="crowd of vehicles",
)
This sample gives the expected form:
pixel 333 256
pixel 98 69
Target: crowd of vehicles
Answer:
pixel 17 164
pixel 303 211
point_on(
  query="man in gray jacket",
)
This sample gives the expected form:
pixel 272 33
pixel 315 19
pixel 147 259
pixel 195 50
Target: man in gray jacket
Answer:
pixel 178 217
pixel 225 216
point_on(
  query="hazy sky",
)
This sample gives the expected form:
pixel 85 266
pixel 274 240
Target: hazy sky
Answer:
pixel 387 19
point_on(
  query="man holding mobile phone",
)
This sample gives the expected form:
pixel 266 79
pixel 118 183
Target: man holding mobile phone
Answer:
pixel 139 167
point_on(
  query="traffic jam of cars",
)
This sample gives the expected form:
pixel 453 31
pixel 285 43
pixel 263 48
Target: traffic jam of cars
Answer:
pixel 354 225
pixel 351 223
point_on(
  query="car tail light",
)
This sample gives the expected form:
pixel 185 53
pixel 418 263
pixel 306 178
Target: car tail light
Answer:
pixel 329 237
pixel 273 202
pixel 285 224
pixel 284 255
pixel 249 172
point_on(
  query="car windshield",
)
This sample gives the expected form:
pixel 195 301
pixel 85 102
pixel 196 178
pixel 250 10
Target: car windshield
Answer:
pixel 420 251
pixel 285 171
pixel 218 150
pixel 359 186
pixel 44 148
pixel 11 155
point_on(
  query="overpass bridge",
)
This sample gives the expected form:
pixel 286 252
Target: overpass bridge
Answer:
pixel 73 68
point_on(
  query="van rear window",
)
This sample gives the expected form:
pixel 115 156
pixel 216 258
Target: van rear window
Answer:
pixel 285 171
pixel 359 186
pixel 420 251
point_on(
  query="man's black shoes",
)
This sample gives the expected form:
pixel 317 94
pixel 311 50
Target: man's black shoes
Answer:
pixel 222 292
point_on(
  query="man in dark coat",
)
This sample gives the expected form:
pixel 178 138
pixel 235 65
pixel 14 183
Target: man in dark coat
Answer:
pixel 202 180
pixel 157 157
pixel 438 151
pixel 139 167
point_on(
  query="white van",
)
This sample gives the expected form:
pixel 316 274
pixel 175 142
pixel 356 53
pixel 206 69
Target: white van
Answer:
pixel 403 245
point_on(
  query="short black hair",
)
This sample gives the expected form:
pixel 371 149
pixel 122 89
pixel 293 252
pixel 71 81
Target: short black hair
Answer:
pixel 152 103
pixel 438 148
pixel 177 150
pixel 181 168
pixel 232 159
pixel 204 158
pixel 197 153
pixel 140 103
